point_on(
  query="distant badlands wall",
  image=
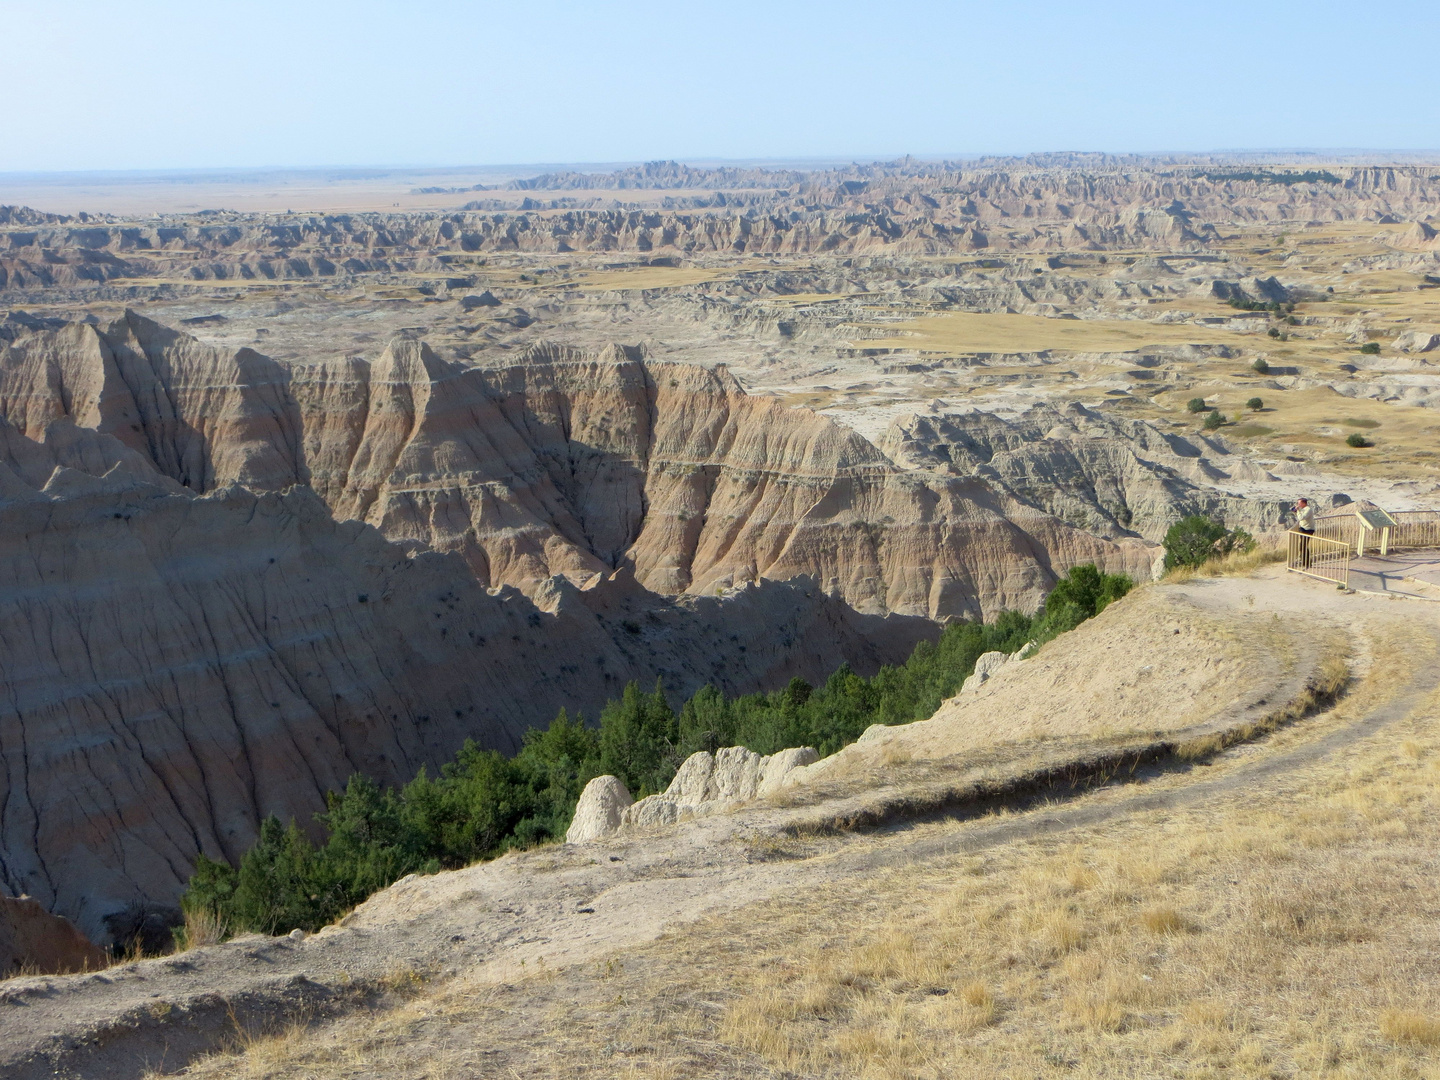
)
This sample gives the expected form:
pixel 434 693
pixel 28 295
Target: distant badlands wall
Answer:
pixel 862 211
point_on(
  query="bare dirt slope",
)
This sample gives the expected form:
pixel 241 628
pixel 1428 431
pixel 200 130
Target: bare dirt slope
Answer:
pixel 1162 663
pixel 570 905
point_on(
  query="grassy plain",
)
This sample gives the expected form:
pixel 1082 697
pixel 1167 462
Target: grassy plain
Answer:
pixel 980 332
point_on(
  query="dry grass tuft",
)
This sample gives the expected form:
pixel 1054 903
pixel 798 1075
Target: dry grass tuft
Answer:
pixel 895 755
pixel 977 996
pixel 1410 1027
pixel 1165 921
pixel 201 927
pixel 1064 932
pixel 403 979
pixel 1236 564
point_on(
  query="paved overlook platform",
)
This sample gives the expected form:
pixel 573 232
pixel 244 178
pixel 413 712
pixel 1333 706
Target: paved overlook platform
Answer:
pixel 1371 550
pixel 1412 574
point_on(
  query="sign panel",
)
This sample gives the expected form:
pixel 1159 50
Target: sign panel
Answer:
pixel 1375 519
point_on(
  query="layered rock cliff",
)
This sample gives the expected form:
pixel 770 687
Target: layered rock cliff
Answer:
pixel 227 583
pixel 173 667
pixel 563 463
pixel 1108 475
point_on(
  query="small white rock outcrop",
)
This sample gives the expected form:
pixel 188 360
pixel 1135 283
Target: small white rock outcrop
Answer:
pixel 650 811
pixel 705 783
pixel 775 768
pixel 1416 341
pixel 599 811
pixel 986 666
pixel 873 733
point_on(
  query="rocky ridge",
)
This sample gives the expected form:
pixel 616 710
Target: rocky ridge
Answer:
pixel 566 463
pixel 1109 475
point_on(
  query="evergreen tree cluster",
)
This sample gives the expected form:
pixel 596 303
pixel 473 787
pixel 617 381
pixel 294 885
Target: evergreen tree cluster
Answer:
pixel 1195 540
pixel 483 803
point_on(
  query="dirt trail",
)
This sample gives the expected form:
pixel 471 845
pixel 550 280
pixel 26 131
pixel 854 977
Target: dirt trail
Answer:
pixel 568 904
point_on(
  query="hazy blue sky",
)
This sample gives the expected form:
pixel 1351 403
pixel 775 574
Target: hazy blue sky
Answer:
pixel 131 84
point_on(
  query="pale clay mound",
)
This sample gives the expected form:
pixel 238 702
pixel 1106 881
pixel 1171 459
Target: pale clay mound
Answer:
pixel 1152 663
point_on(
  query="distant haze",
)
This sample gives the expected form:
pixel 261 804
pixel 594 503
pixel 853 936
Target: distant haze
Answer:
pixel 164 84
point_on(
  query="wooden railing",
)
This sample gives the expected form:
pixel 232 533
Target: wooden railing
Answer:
pixel 1319 557
pixel 1415 529
pixel 1344 528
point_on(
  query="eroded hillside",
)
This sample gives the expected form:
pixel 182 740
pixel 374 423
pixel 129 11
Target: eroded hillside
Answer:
pixel 232 582
pixel 561 463
pixel 289 496
pixel 1252 870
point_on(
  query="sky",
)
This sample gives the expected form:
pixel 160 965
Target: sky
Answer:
pixel 195 84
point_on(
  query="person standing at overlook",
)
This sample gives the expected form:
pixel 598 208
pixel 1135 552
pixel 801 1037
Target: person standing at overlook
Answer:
pixel 1305 525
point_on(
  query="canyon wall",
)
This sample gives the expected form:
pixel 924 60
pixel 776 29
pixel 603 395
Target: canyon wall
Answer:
pixel 228 583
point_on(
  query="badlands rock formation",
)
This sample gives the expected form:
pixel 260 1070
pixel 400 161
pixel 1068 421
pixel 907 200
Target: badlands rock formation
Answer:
pixel 600 809
pixel 202 627
pixel 564 464
pixel 1416 341
pixel 1108 475
pixel 176 666
pixel 709 783
pixel 898 207
pixel 470 527
pixel 35 941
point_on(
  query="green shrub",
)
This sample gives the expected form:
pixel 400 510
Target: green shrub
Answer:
pixel 1255 404
pixel 1357 440
pixel 1214 420
pixel 1274 332
pixel 1196 539
pixel 1237 540
pixel 637 740
pixel 1261 366
pixel 1370 348
pixel 1253 305
pixel 483 803
pixel 1196 405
